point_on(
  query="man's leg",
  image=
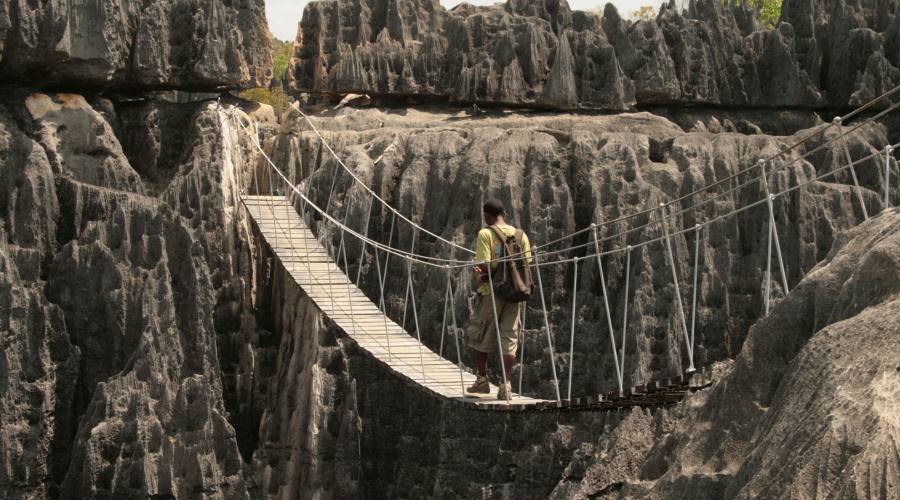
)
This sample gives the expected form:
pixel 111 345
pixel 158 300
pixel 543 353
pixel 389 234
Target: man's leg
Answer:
pixel 476 331
pixel 481 360
pixel 510 325
pixel 509 361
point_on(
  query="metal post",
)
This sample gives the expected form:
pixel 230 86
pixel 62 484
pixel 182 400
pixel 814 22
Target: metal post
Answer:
pixel 522 352
pixel 271 192
pixel 862 203
pixel 887 175
pixel 349 285
pixel 662 214
pixel 384 317
pixel 416 320
pixel 612 338
pixel 387 259
pixel 572 334
pixel 412 250
pixel 443 325
pixel 362 251
pixel 697 232
pixel 462 383
pixel 537 268
pixel 773 228
pixel 625 312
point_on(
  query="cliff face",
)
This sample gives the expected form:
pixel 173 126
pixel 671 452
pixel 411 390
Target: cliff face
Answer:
pixel 542 54
pixel 808 410
pixel 134 46
pixel 120 248
pixel 113 303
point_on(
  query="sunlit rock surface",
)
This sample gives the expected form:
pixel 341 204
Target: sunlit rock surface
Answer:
pixel 134 46
pixel 545 55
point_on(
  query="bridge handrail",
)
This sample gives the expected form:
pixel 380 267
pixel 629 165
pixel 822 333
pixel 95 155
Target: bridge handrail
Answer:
pixel 438 262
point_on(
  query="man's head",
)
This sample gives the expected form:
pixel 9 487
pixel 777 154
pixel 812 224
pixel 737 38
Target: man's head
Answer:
pixel 493 211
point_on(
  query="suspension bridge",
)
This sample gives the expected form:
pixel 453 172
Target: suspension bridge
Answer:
pixel 283 216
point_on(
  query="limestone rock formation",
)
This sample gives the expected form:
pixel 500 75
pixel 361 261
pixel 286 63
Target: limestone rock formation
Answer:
pixel 542 54
pixel 113 304
pixel 806 411
pixel 134 46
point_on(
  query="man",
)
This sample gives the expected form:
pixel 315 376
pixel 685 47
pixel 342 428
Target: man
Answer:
pixel 482 330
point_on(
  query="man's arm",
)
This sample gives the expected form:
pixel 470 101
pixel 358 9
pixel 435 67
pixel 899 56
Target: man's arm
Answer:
pixel 482 252
pixel 526 247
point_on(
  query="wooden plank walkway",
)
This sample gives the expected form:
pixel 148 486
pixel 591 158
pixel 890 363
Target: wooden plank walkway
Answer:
pixel 336 296
pixel 312 268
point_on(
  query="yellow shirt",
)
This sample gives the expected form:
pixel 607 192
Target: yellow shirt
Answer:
pixel 486 240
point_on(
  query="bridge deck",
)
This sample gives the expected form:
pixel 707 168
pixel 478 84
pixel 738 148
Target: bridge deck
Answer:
pixel 304 258
pixel 311 267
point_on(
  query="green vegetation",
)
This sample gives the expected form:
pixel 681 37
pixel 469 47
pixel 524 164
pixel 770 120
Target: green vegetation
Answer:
pixel 769 11
pixel 273 97
pixel 281 57
pixel 645 13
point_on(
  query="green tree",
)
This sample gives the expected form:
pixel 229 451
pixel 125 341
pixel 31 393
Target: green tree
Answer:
pixel 645 13
pixel 769 10
pixel 274 97
pixel 281 57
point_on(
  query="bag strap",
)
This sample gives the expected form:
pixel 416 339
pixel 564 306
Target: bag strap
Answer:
pixel 500 236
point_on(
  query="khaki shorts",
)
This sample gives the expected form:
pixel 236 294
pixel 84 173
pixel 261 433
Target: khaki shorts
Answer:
pixel 482 330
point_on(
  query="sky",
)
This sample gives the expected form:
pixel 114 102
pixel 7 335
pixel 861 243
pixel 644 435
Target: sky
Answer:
pixel 284 15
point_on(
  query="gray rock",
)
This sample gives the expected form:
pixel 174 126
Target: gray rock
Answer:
pixel 135 45
pixel 809 388
pixel 114 303
pixel 542 54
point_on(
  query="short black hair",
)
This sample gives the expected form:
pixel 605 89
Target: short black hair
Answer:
pixel 494 207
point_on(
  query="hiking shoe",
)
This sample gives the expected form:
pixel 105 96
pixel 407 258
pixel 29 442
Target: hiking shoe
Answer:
pixel 505 392
pixel 481 386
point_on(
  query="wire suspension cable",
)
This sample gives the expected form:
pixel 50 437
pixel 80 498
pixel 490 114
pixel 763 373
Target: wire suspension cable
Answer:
pixel 459 362
pixel 846 148
pixel 382 305
pixel 487 265
pixel 572 333
pixel 362 251
pixel 465 263
pixel 612 337
pixel 349 284
pixel 387 259
pixel 458 264
pixel 444 322
pixel 547 327
pixel 416 321
pixel 409 262
pixel 625 311
pixel 690 352
pixel 770 202
pixel 381 200
pixel 887 176
pixel 698 233
pixel 522 348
